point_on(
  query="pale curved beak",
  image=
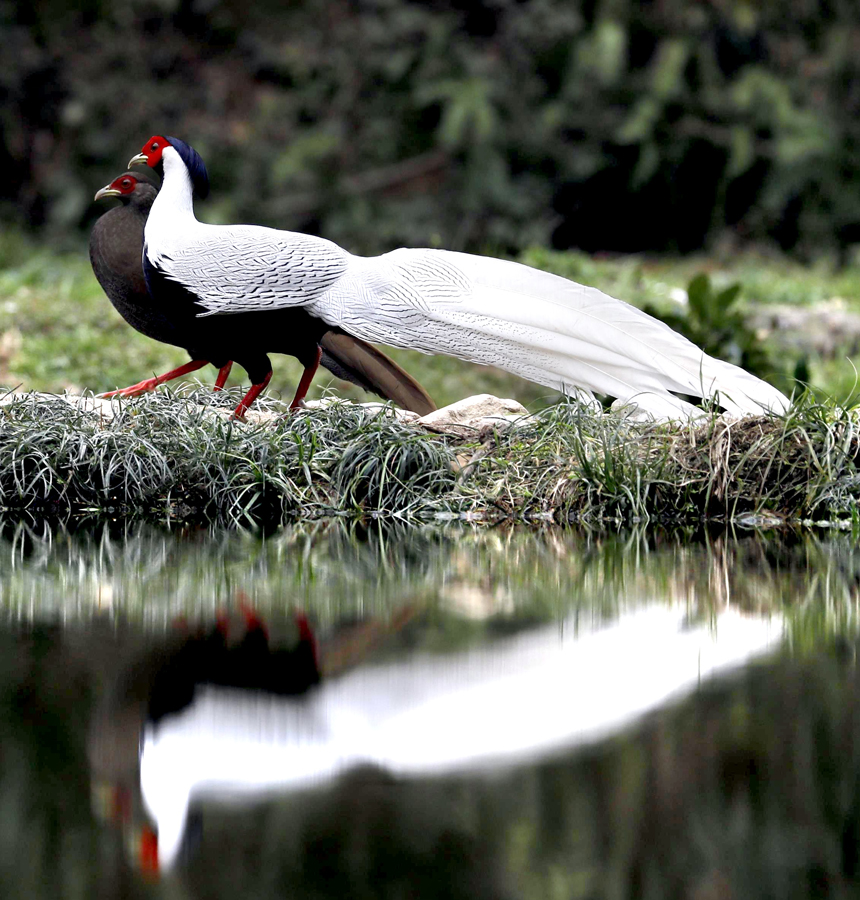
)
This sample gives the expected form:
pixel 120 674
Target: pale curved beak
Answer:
pixel 139 160
pixel 107 191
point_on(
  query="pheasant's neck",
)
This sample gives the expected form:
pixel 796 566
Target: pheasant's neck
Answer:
pixel 173 209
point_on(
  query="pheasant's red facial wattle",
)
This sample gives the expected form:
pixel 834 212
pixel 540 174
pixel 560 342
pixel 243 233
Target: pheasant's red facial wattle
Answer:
pixel 153 149
pixel 151 152
pixel 125 184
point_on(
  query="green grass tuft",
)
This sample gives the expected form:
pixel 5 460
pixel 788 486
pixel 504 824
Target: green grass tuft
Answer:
pixel 178 457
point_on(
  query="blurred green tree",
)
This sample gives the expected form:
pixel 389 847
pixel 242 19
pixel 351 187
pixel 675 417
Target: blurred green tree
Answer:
pixel 489 125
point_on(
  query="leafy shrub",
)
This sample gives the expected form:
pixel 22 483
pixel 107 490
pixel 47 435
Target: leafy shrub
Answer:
pixel 619 126
pixel 713 322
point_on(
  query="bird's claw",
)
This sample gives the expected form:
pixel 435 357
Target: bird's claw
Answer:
pixel 134 390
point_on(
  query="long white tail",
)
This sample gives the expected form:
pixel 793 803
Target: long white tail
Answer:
pixel 540 326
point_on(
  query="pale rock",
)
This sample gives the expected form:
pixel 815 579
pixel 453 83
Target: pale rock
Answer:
pixel 825 329
pixel 474 602
pixel 468 417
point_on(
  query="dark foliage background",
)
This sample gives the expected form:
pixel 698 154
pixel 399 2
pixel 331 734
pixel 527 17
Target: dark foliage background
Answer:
pixel 610 125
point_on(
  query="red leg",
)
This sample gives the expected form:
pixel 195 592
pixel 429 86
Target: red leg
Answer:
pixel 251 396
pixel 152 383
pixel 253 622
pixel 306 635
pixel 223 375
pixel 148 852
pixel 305 383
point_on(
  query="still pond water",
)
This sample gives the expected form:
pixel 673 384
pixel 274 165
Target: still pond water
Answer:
pixel 332 711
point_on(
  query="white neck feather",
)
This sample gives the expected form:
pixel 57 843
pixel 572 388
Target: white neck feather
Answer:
pixel 173 208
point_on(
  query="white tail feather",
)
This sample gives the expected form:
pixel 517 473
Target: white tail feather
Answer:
pixel 537 325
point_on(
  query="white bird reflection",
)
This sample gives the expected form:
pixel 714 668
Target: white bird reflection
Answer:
pixel 517 699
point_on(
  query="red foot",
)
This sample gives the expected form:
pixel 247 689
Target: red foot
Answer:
pixel 222 624
pixel 251 396
pixel 151 384
pixel 305 383
pixel 148 852
pixel 252 621
pixel 135 390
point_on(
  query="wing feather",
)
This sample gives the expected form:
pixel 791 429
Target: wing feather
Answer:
pixel 232 269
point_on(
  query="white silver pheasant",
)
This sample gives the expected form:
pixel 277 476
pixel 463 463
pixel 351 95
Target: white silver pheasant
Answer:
pixel 539 326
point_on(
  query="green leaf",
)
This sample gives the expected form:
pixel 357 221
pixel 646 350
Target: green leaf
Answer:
pixel 698 294
pixel 604 52
pixel 742 152
pixel 639 125
pixel 468 113
pixel 726 298
pixel 667 79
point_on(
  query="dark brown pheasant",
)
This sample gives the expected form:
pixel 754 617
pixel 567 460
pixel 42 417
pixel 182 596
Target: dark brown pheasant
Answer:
pixel 116 250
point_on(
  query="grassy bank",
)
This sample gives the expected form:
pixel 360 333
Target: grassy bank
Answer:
pixel 168 457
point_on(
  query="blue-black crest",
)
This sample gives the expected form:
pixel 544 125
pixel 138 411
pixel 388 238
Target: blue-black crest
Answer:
pixel 195 165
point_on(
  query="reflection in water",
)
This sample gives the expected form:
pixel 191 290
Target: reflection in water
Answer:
pixel 508 702
pixel 163 682
pixel 441 654
pixel 338 570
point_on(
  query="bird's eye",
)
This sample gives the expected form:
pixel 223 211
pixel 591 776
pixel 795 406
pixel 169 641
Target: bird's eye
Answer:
pixel 155 146
pixel 126 182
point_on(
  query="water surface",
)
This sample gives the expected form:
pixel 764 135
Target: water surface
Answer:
pixel 499 713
